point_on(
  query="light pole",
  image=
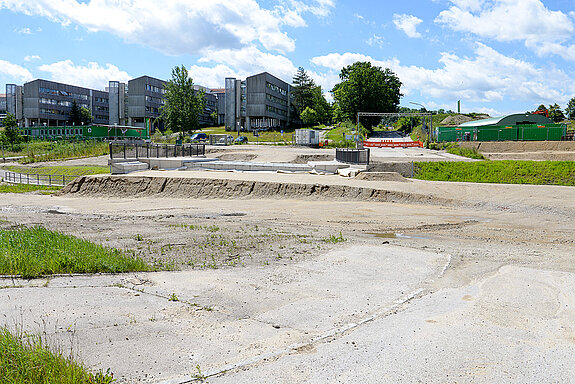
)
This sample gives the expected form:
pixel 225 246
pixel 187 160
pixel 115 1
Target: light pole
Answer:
pixel 421 105
pixel 424 118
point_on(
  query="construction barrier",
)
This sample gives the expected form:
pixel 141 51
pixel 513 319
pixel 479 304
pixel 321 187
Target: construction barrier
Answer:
pixel 393 144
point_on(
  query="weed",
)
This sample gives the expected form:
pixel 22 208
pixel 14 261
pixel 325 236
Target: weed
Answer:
pixel 173 297
pixel 138 237
pixel 199 375
pixel 335 239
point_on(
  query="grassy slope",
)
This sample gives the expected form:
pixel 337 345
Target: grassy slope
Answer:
pixel 505 171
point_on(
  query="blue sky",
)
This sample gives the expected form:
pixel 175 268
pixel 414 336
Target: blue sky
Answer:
pixel 496 56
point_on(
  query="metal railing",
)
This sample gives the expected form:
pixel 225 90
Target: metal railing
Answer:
pixel 38 179
pixel 148 150
pixel 352 156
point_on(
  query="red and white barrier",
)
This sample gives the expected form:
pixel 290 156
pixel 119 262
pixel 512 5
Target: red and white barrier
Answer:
pixel 393 144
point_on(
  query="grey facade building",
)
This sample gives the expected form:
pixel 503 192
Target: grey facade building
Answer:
pixel 145 98
pixel 118 103
pixel 44 102
pixel 261 101
pixel 2 103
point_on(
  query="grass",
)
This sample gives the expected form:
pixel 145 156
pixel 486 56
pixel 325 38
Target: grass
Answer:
pixel 504 171
pixel 35 252
pixel 27 359
pixel 58 170
pixel 36 151
pixel 25 188
pixel 271 136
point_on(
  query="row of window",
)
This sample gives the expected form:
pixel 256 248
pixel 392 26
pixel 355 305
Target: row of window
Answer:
pixel 63 103
pixel 276 99
pixel 153 88
pixel 275 88
pixel 100 108
pixel 50 111
pixel 52 132
pixel 101 100
pixel 152 109
pixel 157 100
pixel 273 109
pixel 56 92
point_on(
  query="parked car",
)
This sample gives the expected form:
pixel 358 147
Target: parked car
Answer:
pixel 199 137
pixel 241 140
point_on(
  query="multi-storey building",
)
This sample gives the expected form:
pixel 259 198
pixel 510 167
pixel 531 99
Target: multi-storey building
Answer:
pixel 145 98
pixel 2 103
pixel 118 103
pixel 260 102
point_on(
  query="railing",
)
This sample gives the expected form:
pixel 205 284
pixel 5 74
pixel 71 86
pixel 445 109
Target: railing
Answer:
pixel 38 179
pixel 136 151
pixel 352 156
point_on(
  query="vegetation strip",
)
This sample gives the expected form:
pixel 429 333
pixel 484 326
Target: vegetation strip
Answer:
pixel 58 170
pixel 35 252
pixel 504 171
pixel 28 359
pixel 25 188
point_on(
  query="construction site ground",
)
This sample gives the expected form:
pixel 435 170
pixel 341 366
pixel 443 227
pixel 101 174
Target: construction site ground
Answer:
pixel 282 278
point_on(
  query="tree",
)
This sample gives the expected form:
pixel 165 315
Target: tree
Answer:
pixel 309 116
pixel 86 116
pixel 11 133
pixel 555 113
pixel 302 90
pixel 570 110
pixel 366 88
pixel 321 106
pixel 75 114
pixel 182 105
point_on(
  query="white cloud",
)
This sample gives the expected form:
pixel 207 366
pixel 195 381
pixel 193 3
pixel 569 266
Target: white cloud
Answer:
pixel 488 77
pixel 23 31
pixel 375 40
pixel 32 58
pixel 407 24
pixel 181 26
pixel 90 76
pixel 15 71
pixel 541 29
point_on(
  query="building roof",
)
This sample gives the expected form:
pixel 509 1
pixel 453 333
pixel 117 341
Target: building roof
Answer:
pixel 515 119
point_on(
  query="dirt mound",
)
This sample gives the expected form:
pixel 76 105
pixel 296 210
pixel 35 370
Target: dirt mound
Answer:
pixel 237 156
pixel 460 119
pixel 303 159
pixel 143 186
pixel 381 176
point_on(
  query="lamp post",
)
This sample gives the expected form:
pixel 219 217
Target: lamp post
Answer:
pixel 424 118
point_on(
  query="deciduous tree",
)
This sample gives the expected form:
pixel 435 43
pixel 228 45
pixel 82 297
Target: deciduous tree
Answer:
pixel 183 106
pixel 570 110
pixel 366 88
pixel 11 133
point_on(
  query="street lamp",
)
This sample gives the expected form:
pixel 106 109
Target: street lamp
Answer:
pixel 424 129
pixel 421 105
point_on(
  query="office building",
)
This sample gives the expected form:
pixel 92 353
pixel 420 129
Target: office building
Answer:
pixel 145 98
pixel 261 101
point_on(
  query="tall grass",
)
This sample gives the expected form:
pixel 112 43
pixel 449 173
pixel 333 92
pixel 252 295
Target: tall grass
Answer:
pixel 58 170
pixel 47 150
pixel 504 171
pixel 25 188
pixel 34 252
pixel 27 359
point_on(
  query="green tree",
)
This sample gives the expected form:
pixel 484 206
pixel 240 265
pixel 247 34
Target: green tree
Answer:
pixel 86 116
pixel 302 91
pixel 555 113
pixel 321 106
pixel 570 110
pixel 11 133
pixel 75 114
pixel 309 116
pixel 182 105
pixel 366 88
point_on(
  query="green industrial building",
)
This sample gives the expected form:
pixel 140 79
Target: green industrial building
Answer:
pixel 516 127
pixel 88 132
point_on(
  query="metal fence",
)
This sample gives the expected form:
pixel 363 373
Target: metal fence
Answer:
pixel 352 156
pixel 38 179
pixel 136 151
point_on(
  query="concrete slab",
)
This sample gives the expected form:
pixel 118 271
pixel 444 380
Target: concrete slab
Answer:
pixel 223 318
pixel 516 326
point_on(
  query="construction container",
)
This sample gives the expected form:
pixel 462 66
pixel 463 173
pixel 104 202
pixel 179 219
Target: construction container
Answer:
pixel 306 137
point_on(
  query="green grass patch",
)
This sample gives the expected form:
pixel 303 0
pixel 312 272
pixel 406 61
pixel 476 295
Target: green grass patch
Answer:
pixel 504 171
pixel 58 170
pixel 37 151
pixel 27 359
pixel 35 252
pixel 24 188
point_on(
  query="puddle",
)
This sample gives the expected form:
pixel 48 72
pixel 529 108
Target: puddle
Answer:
pixel 393 235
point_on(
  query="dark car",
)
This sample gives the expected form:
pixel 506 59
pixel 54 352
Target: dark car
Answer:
pixel 199 137
pixel 241 140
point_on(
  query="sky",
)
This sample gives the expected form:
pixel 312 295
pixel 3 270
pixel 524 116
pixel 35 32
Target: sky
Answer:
pixel 496 56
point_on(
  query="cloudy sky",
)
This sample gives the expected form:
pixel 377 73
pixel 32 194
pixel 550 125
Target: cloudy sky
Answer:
pixel 496 56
